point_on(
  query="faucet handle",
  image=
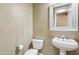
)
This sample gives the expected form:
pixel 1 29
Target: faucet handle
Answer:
pixel 63 36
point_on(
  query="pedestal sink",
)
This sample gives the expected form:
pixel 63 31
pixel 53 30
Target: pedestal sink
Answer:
pixel 64 44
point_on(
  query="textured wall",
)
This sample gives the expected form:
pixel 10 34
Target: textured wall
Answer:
pixel 41 29
pixel 15 27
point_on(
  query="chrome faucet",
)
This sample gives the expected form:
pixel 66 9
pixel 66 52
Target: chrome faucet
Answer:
pixel 63 37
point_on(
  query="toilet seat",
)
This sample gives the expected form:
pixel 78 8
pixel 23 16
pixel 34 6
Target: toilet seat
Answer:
pixel 31 52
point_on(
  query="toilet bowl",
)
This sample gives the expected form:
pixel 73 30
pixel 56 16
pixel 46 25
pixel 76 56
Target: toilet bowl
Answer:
pixel 37 45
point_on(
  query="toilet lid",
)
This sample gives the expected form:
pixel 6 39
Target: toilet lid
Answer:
pixel 31 52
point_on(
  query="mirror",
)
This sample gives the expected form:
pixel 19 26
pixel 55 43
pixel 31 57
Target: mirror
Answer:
pixel 64 17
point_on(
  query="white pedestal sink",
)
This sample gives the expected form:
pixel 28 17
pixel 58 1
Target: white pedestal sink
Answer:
pixel 64 44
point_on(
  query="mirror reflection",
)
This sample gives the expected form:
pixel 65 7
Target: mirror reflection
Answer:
pixel 62 18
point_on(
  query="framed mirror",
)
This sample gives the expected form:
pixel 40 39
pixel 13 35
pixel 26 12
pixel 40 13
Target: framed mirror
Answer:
pixel 63 17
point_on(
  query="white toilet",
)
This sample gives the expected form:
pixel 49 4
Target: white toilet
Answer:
pixel 37 45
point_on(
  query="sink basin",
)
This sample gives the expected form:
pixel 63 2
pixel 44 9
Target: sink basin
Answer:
pixel 64 44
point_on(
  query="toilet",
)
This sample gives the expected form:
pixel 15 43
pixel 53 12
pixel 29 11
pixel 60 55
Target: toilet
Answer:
pixel 37 45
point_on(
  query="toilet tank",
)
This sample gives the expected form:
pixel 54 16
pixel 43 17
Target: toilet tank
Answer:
pixel 37 44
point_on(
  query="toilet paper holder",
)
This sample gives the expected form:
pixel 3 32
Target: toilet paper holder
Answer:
pixel 19 49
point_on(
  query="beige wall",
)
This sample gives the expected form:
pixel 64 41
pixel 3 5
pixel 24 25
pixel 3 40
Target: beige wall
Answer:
pixel 40 29
pixel 15 27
